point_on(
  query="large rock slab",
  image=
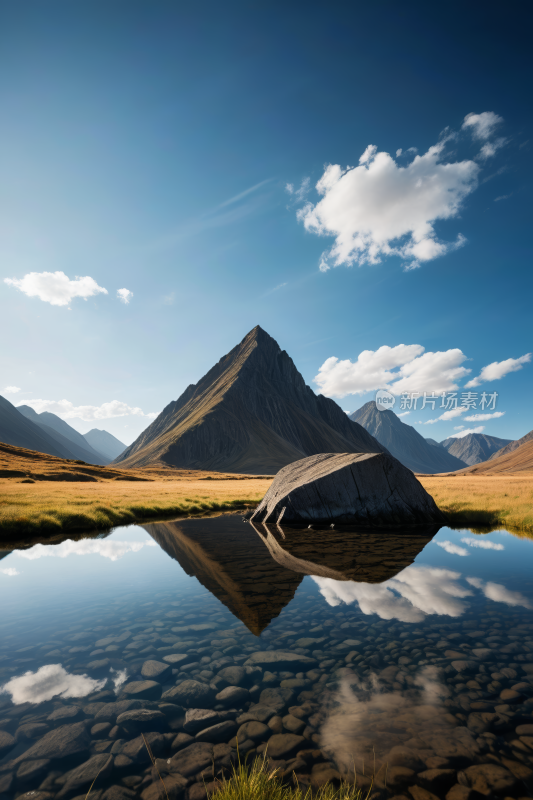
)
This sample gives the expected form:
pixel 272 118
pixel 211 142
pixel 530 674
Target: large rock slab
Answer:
pixel 370 489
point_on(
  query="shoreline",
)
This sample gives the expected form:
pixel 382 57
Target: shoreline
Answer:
pixel 50 508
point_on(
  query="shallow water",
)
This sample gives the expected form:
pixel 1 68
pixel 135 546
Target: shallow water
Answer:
pixel 406 657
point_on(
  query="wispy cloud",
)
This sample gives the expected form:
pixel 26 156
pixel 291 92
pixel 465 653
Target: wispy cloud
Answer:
pixel 498 370
pixel 275 289
pixel 11 571
pixel 228 212
pixel 11 390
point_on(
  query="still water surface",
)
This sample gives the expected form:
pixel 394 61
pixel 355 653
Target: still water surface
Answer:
pixel 407 657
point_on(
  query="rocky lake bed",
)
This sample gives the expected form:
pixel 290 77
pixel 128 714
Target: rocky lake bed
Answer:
pixel 419 685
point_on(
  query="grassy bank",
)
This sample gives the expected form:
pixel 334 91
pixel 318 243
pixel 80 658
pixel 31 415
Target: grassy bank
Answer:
pixel 54 507
pixel 484 501
pixel 57 507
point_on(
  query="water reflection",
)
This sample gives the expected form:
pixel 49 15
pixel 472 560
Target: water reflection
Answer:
pixel 255 569
pixel 49 681
pixel 113 549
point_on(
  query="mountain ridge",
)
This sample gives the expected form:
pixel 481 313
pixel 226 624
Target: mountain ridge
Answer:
pixel 251 413
pixel 404 442
pixel 67 437
pixel 474 448
pixel 104 442
pixel 513 445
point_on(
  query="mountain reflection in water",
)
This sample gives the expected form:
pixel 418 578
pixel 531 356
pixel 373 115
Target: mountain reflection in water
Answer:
pixel 255 570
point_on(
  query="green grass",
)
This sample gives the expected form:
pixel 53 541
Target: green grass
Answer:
pixel 259 782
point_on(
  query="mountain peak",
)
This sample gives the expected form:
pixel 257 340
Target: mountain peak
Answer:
pixel 251 413
pixel 404 442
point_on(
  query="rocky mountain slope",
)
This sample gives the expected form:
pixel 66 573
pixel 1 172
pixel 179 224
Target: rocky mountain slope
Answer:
pixel 516 461
pixel 65 436
pixel 475 447
pixel 513 445
pixel 403 442
pixel 105 443
pixel 252 413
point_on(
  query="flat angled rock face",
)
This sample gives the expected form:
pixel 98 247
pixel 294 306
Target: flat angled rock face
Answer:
pixel 371 489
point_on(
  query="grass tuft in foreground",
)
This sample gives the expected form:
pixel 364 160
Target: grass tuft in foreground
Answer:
pixel 259 782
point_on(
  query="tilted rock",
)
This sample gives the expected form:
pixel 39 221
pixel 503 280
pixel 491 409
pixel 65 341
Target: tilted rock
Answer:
pixel 370 489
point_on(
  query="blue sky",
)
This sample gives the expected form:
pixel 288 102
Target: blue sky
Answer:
pixel 147 147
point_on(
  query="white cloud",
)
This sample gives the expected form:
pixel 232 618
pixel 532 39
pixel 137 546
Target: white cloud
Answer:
pixel 458 427
pixel 415 371
pixel 50 681
pixel 107 548
pixel 124 295
pixel 499 593
pixel 379 208
pixel 490 149
pixel 453 549
pixel 466 431
pixel 483 417
pixel 447 415
pixel 67 410
pixel 403 414
pixel 11 571
pixel 11 390
pixel 55 287
pixel 498 369
pixel 482 543
pixel 482 125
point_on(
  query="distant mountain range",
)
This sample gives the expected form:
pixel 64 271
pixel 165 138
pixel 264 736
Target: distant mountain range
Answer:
pixel 509 459
pixel 474 447
pixel 252 413
pixel 404 443
pixel 47 433
pixel 105 443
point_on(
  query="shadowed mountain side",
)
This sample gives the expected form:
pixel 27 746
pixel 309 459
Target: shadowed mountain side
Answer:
pixel 17 430
pixel 403 442
pixel 346 553
pixel 232 562
pixel 251 413
pixel 475 447
pixel 66 436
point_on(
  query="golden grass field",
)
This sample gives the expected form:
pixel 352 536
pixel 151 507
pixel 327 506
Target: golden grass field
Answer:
pixel 41 495
pixel 484 500
pixel 52 507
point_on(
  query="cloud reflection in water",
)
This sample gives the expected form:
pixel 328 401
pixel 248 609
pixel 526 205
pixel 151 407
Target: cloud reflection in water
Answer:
pixel 107 548
pixel 415 593
pixel 50 681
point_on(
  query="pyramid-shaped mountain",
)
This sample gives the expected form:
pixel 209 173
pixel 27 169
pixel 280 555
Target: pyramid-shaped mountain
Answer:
pixel 252 413
pixel 403 442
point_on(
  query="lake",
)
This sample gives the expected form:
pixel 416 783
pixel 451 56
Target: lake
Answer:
pixel 405 658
